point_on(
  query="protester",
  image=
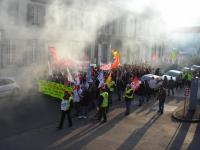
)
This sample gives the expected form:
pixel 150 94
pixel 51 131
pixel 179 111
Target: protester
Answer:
pixel 111 87
pixel 84 102
pixel 147 90
pixel 165 82
pixel 152 85
pixel 128 98
pixel 157 72
pixel 141 93
pixel 161 98
pixel 66 106
pixel 171 86
pixel 92 95
pixel 103 104
pixel 120 88
pixel 76 99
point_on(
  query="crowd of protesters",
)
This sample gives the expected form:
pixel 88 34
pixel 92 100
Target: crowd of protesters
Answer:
pixel 90 95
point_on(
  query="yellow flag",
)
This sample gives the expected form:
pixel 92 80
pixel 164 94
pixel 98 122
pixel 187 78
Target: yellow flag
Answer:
pixel 108 80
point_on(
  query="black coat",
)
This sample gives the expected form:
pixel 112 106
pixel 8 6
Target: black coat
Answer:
pixel 85 97
pixel 141 90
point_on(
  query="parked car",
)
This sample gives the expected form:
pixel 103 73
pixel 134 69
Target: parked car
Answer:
pixel 175 74
pixel 195 67
pixel 149 77
pixel 187 69
pixel 8 87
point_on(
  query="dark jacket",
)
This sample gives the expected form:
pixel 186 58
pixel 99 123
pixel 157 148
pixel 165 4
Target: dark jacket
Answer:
pixel 147 88
pixel 141 90
pixel 161 94
pixel 120 85
pixel 170 84
pixel 92 91
pixel 85 98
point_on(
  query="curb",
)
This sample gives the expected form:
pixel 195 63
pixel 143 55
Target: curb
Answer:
pixel 181 119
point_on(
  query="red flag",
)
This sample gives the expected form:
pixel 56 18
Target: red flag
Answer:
pixel 116 59
pixel 135 83
pixel 53 52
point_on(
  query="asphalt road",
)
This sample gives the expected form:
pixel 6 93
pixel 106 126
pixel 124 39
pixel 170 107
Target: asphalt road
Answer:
pixel 26 112
pixel 29 122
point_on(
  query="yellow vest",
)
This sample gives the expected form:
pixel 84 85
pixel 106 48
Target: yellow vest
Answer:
pixel 111 86
pixel 127 93
pixel 105 100
pixel 68 102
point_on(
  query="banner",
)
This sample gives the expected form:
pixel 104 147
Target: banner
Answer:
pixel 105 67
pixel 52 89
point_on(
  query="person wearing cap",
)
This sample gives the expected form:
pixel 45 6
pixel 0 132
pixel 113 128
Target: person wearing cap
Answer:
pixel 66 105
pixel 103 104
pixel 128 98
pixel 161 98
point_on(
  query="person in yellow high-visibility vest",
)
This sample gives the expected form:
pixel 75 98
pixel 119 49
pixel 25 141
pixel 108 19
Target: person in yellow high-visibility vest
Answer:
pixel 66 105
pixel 128 96
pixel 189 78
pixel 103 104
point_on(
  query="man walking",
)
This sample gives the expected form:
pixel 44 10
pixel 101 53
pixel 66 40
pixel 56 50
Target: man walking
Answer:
pixel 171 86
pixel 120 88
pixel 161 97
pixel 66 105
pixel 128 98
pixel 103 105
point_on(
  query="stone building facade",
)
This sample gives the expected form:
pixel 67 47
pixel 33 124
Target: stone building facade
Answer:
pixel 132 34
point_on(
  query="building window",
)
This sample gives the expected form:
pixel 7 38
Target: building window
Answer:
pixel 2 35
pixel 35 14
pixel 11 52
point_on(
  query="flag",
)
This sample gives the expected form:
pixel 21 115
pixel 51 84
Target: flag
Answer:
pixel 108 80
pixel 50 69
pixel 53 52
pixel 135 84
pixel 77 79
pixel 89 73
pixel 116 62
pixel 69 76
pixel 101 79
pixel 100 76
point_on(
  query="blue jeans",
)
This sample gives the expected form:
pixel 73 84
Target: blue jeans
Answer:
pixel 128 106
